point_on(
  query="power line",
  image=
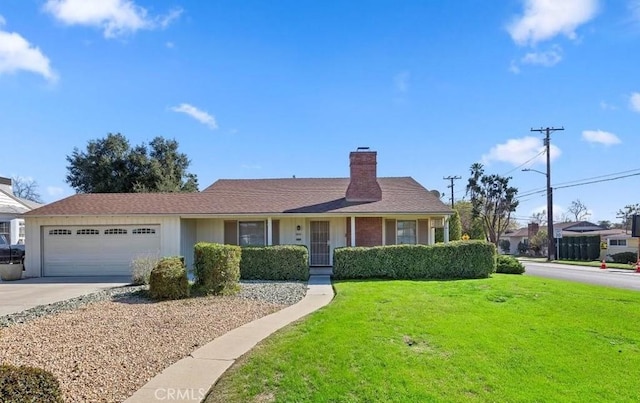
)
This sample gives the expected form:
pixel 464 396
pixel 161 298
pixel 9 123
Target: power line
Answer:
pixel 451 178
pixel 526 162
pixel 596 177
pixel 597 181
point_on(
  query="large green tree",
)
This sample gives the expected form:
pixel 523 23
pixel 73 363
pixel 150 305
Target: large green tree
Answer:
pixel 455 229
pixel 111 165
pixel 470 225
pixel 493 201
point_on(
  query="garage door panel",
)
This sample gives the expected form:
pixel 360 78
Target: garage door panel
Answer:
pixel 70 251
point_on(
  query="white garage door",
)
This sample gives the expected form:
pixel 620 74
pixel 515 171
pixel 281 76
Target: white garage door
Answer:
pixel 97 250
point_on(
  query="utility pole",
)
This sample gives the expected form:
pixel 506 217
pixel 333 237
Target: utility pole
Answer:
pixel 550 235
pixel 451 178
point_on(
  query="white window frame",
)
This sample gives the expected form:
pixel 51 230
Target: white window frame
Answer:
pixel 617 242
pixel 88 231
pixel 115 231
pixel 415 232
pixel 143 231
pixel 250 243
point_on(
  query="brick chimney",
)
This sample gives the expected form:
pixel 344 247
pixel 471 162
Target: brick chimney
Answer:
pixel 363 186
pixel 533 229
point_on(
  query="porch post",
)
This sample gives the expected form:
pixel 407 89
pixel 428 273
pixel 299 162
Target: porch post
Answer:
pixel 353 230
pixel 430 240
pixel 446 230
pixel 269 232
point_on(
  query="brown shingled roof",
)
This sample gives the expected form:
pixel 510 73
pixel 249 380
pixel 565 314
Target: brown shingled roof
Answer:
pixel 255 196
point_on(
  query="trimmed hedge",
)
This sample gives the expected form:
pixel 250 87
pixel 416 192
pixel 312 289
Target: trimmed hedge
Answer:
pixel 217 267
pixel 28 384
pixel 168 280
pixel 458 259
pixel 509 265
pixel 625 257
pixel 281 262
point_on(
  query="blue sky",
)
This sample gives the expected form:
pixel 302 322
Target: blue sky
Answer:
pixel 261 89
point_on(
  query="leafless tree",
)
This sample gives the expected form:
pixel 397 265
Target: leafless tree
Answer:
pixel 539 218
pixel 578 210
pixel 26 189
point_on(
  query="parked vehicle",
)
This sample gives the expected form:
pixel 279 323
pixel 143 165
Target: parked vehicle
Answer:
pixel 10 253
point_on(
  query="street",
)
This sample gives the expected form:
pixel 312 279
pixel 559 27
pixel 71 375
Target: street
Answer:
pixel 609 277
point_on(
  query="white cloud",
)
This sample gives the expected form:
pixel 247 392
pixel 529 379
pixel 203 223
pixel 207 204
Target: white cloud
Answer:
pixel 607 106
pixel 199 115
pixel 558 212
pixel 54 191
pixel 166 20
pixel 17 54
pixel 545 19
pixel 634 8
pixel 548 58
pixel 115 17
pixel 520 151
pixel 634 101
pixel 514 68
pixel 170 45
pixel 401 81
pixel 601 137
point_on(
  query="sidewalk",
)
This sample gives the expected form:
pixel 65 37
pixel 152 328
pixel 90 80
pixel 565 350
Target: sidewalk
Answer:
pixel 191 378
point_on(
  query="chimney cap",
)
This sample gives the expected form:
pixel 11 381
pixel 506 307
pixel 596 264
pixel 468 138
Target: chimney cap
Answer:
pixel 362 149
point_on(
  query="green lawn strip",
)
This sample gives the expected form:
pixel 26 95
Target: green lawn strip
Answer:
pixel 507 338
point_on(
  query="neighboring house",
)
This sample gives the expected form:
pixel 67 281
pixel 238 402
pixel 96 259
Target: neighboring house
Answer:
pixel 11 209
pixel 621 241
pixel 618 242
pixel 99 234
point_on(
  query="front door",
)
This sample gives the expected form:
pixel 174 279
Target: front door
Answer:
pixel 320 243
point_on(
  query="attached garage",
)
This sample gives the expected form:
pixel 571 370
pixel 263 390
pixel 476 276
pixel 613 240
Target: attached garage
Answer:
pixel 97 250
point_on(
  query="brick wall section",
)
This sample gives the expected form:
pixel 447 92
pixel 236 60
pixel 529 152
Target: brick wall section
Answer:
pixel 368 231
pixel 363 186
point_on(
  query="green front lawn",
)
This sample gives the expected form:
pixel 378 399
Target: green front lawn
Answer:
pixel 506 338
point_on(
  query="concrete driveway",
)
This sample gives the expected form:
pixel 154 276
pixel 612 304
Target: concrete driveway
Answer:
pixel 16 296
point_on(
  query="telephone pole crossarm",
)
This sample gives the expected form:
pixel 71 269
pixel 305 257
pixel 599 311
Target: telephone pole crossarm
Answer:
pixel 451 178
pixel 550 236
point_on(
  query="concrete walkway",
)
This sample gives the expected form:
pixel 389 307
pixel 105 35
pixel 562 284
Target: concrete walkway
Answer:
pixel 191 378
pixel 20 295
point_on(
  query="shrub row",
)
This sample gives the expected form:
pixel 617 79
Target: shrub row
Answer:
pixel 28 384
pixel 458 259
pixel 625 257
pixel 282 262
pixel 168 279
pixel 217 267
pixel 509 265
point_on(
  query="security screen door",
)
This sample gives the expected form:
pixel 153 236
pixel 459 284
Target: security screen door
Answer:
pixel 320 243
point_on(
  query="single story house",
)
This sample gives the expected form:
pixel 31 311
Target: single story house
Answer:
pixel 617 240
pixel 11 209
pixel 100 234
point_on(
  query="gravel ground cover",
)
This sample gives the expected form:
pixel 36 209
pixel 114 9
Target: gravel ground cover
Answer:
pixel 105 346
